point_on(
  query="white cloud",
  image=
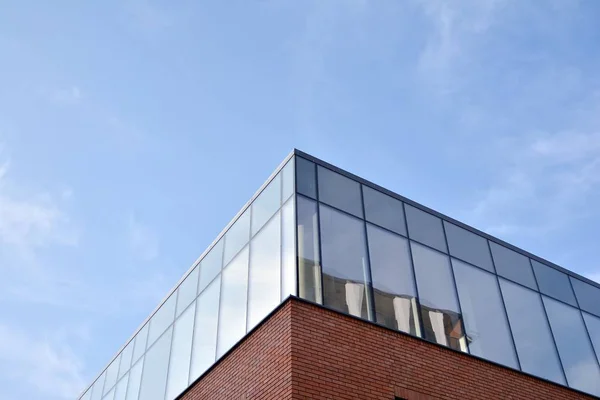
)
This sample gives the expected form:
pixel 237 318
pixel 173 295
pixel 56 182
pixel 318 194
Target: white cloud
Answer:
pixel 550 181
pixel 147 15
pixel 67 96
pixel 44 362
pixel 143 240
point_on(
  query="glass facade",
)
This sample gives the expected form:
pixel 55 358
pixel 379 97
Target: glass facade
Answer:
pixel 334 239
pixel 248 271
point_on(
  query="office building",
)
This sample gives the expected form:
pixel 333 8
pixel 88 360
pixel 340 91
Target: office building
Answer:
pixel 328 286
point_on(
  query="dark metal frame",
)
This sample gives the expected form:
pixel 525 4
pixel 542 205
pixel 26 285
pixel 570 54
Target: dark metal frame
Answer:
pixel 317 162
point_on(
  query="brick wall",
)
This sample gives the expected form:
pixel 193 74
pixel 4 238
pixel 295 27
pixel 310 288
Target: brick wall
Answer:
pixel 306 352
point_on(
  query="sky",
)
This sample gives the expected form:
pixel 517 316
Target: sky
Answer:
pixel 131 131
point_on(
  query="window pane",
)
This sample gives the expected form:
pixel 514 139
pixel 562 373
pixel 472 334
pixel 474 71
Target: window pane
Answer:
pixel 512 265
pixel 110 395
pixel 288 255
pixel 485 320
pixel 339 191
pixel 576 353
pixel 187 291
pixel 232 315
pixel 425 228
pixel 210 266
pixel 140 343
pixel 531 332
pixel 553 283
pixel 264 285
pixel 346 281
pixel 161 320
pixel 266 204
pixel 593 327
pixel 98 386
pixel 181 352
pixel 309 266
pixel 306 181
pixel 468 246
pixel 121 389
pixel 393 281
pixel 287 180
pixel 237 236
pixel 135 378
pixel 588 296
pixel 126 356
pixel 87 395
pixel 156 363
pixel 112 373
pixel 384 210
pixel 439 305
pixel 205 330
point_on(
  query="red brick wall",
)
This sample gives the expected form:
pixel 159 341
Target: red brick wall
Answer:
pixel 307 352
pixel 259 368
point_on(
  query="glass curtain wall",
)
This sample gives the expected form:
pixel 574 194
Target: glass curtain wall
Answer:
pixel 367 253
pixel 236 284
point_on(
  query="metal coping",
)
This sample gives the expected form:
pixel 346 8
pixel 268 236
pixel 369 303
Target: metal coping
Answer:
pixel 443 217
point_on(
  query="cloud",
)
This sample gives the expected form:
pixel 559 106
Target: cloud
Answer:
pixel 143 240
pixel 550 180
pixel 147 15
pixel 68 96
pixel 47 363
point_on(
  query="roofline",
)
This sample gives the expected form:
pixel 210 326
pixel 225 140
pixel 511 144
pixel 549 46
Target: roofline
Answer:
pixel 443 216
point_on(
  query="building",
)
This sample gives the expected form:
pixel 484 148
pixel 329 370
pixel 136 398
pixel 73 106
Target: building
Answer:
pixel 328 286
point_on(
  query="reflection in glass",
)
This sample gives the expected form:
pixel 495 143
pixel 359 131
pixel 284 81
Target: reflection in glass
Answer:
pixel 87 395
pixel 135 378
pixel 425 228
pixel 346 277
pixel 98 386
pixel 468 246
pixel 237 236
pixel 156 363
pixel 210 266
pixel 121 389
pixel 439 306
pixel 306 181
pixel 264 285
pixel 309 267
pixel 531 332
pixel 232 315
pixel 140 343
pixel 593 326
pixel 339 191
pixel 484 317
pixel 588 296
pixel 266 204
pixel 513 266
pixel 126 356
pixel 186 293
pixel 287 181
pixel 288 254
pixel 553 283
pixel 112 373
pixel 161 320
pixel 576 353
pixel 181 352
pixel 384 210
pixel 205 330
pixel 393 281
pixel 110 395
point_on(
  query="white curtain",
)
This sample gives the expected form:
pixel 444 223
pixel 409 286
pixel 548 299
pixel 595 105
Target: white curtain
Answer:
pixel 402 313
pixel 354 297
pixel 437 323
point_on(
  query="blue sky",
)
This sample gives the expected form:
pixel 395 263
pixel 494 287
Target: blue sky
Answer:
pixel 132 131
